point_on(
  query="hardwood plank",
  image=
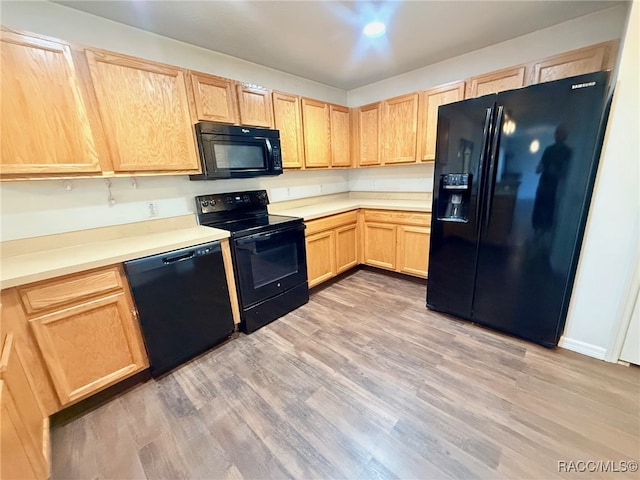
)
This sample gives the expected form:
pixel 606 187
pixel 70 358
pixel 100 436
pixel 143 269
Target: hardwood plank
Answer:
pixel 363 382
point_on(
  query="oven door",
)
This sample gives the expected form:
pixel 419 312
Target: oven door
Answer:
pixel 269 263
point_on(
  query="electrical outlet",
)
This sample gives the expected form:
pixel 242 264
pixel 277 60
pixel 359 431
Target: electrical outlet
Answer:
pixel 152 209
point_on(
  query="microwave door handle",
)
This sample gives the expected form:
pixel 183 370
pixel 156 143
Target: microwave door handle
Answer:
pixel 267 144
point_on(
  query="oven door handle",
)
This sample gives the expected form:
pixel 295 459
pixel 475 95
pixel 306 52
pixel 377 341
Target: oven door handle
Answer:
pixel 267 235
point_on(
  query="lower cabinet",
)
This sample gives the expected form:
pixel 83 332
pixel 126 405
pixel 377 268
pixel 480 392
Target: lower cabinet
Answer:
pixel 331 244
pixel 24 441
pixel 397 240
pixel 86 329
pixel 389 239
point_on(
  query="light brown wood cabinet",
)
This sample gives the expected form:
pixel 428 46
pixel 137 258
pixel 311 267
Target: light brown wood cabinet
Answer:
pixel 399 129
pixel 428 105
pixel 24 441
pixel 215 98
pixel 45 118
pixel 145 113
pixel 340 136
pixel 397 240
pixel 86 328
pixel 316 121
pixel 367 121
pixel 332 245
pixel 287 119
pixel 495 82
pixel 577 62
pixel 254 104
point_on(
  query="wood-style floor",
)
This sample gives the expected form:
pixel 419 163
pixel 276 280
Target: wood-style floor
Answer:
pixel 364 382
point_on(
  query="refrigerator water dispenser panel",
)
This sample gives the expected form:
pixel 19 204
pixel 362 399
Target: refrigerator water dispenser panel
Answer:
pixel 455 190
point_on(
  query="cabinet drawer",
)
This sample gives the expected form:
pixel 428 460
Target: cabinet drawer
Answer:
pixel 333 221
pixel 54 293
pixel 401 218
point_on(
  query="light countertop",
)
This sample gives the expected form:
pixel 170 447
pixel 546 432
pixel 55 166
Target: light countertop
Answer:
pixel 44 264
pixel 331 207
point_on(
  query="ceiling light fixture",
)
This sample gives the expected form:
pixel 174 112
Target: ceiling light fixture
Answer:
pixel 374 29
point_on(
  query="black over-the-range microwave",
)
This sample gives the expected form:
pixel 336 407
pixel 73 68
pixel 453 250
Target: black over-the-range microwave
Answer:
pixel 232 151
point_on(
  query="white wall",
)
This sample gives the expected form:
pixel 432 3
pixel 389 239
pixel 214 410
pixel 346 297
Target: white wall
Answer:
pixel 45 207
pixel 612 237
pixel 400 178
pixel 581 32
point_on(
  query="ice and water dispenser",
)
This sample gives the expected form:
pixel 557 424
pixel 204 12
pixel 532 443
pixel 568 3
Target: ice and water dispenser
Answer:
pixel 454 195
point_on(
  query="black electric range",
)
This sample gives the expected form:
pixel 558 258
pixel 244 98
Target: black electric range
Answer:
pixel 268 252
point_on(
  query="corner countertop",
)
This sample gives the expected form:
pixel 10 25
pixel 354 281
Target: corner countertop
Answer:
pixel 331 206
pixel 87 252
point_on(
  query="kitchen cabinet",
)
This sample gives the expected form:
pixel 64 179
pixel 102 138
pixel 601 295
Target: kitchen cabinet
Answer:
pixel 428 105
pixel 145 113
pixel 397 240
pixel 214 98
pixel 495 82
pixel 331 244
pixel 316 122
pixel 24 442
pixel 340 136
pixel 254 103
pixel 399 129
pixel 367 134
pixel 576 62
pixel 86 328
pixel 288 120
pixel 45 116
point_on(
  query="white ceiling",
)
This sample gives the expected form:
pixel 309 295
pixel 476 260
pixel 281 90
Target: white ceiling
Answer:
pixel 322 40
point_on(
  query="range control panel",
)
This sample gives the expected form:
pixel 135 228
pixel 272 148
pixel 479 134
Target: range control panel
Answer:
pixel 227 202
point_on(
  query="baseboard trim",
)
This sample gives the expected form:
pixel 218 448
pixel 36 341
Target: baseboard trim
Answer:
pixel 584 348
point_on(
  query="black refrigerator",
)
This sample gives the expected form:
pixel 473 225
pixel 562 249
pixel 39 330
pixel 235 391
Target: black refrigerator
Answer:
pixel 513 179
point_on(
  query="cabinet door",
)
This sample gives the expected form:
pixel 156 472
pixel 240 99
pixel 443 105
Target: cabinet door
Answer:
pixel 255 105
pixel 577 62
pixel 287 119
pixel 145 113
pixel 44 119
pixel 346 247
pixel 380 245
pixel 368 126
pixel 23 425
pixel 495 82
pixel 399 126
pixel 321 257
pixel 340 136
pixel 215 98
pixel 317 133
pixel 429 102
pixel 90 346
pixel 413 250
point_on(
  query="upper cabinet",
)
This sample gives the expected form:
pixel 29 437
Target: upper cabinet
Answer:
pixel 45 121
pixel 317 133
pixel 254 103
pixel 399 127
pixel 367 137
pixel 577 62
pixel 495 82
pixel 429 102
pixel 214 98
pixel 145 113
pixel 340 136
pixel 288 120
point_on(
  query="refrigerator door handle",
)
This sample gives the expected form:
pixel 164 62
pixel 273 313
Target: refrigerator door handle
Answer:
pixel 485 147
pixel 493 164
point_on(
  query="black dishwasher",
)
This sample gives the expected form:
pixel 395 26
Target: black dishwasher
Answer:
pixel 183 303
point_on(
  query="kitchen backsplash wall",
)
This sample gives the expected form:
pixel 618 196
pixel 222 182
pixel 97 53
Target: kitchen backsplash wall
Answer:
pixel 35 208
pixel 399 178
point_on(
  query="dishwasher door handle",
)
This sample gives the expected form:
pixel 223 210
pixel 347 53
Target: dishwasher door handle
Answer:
pixel 179 258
